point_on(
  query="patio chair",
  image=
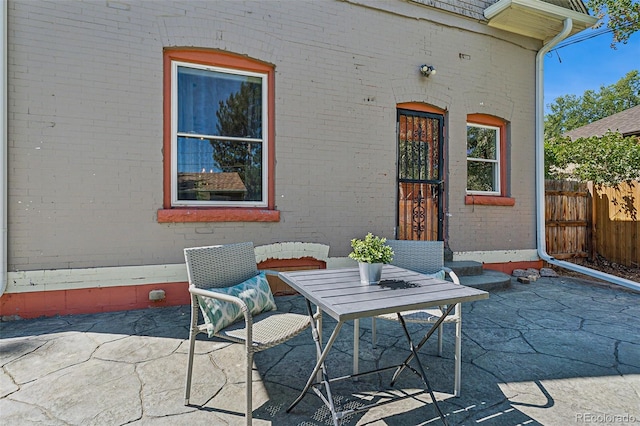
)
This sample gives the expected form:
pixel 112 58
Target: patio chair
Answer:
pixel 427 257
pixel 237 305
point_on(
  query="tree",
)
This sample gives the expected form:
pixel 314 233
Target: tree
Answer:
pixel 570 112
pixel 624 17
pixel 607 160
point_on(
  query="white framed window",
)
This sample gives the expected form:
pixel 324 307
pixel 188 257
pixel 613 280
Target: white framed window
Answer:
pixel 218 136
pixel 483 159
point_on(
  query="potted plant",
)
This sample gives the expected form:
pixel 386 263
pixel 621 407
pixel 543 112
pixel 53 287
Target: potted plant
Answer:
pixel 371 253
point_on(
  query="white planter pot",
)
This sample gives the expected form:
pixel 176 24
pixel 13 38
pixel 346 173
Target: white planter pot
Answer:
pixel 370 273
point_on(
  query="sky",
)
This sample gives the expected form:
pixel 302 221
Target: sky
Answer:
pixel 588 64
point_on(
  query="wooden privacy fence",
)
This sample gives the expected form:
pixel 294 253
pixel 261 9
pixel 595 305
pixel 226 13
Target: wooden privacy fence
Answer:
pixel 616 212
pixel 568 219
pixel 583 219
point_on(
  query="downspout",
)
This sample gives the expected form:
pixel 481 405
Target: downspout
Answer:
pixel 3 152
pixel 540 196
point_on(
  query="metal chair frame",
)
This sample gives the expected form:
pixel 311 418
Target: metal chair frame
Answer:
pixel 225 266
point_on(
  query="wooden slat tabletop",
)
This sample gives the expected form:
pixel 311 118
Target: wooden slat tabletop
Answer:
pixel 339 293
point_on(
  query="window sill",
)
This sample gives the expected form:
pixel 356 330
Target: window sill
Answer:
pixel 489 200
pixel 184 215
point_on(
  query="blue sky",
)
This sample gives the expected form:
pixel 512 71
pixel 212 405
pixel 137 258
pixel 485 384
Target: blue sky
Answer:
pixel 588 64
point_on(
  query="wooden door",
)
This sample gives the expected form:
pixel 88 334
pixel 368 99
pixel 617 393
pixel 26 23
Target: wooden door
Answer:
pixel 420 176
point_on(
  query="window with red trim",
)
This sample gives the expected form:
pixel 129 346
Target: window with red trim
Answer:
pixel 487 161
pixel 218 137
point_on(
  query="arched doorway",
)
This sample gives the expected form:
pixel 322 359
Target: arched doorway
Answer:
pixel 420 175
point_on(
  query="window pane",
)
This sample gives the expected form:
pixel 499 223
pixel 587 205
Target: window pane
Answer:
pixel 219 170
pixel 481 142
pixel 418 148
pixel 480 176
pixel 219 104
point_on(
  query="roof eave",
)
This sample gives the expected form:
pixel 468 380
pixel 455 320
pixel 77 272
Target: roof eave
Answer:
pixel 535 18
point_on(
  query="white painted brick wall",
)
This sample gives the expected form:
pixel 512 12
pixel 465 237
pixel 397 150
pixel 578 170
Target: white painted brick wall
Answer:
pixel 85 122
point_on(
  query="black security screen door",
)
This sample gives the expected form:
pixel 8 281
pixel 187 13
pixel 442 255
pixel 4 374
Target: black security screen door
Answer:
pixel 420 181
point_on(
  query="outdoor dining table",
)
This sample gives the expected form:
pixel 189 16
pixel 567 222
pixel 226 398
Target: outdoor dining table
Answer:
pixel 340 294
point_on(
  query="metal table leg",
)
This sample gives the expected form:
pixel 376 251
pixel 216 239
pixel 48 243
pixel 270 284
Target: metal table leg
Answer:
pixel 432 330
pixel 356 345
pixel 320 366
pixel 414 354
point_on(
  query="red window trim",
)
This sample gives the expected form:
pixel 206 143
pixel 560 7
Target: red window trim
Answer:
pixel 489 200
pixel 167 213
pixel 493 200
pixel 217 214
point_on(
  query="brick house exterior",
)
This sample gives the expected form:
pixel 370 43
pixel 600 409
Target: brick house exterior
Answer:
pixel 90 225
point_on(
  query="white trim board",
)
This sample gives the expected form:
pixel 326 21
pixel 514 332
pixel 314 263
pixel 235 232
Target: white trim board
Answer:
pixel 74 279
pixel 498 256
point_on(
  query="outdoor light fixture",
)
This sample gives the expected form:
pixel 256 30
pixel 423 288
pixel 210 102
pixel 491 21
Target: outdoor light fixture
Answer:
pixel 427 70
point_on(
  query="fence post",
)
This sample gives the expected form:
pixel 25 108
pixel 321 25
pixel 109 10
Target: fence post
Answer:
pixel 591 227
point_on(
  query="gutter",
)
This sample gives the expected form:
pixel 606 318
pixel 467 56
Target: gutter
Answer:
pixel 540 195
pixel 3 152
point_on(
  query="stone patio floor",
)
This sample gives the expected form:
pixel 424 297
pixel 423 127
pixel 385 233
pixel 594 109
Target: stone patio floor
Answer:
pixel 558 351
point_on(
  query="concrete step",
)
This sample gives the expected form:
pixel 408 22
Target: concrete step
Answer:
pixel 488 281
pixel 465 267
pixel 471 274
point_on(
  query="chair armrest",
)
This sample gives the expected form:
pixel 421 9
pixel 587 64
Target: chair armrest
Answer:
pixel 220 296
pixel 452 274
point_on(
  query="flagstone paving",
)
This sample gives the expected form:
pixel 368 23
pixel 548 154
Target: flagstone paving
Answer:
pixel 554 352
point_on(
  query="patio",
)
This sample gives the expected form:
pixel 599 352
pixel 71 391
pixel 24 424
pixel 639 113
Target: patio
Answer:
pixel 557 351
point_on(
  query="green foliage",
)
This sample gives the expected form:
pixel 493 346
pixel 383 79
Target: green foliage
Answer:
pixel 607 160
pixel 570 112
pixel 372 249
pixel 624 17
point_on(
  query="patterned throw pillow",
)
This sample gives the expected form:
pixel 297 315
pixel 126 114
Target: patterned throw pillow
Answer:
pixel 255 292
pixel 438 275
